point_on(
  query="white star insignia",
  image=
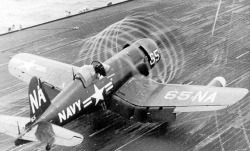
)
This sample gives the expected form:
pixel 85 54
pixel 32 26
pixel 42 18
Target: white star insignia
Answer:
pixel 98 94
pixel 28 65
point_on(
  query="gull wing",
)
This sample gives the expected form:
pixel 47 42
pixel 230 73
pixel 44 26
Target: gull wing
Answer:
pixel 143 92
pixel 25 66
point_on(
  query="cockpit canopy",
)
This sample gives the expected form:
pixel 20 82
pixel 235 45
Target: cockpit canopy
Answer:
pixel 90 73
pixel 100 68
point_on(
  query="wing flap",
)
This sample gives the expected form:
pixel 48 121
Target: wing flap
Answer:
pixel 24 66
pixel 66 137
pixel 47 132
pixel 197 108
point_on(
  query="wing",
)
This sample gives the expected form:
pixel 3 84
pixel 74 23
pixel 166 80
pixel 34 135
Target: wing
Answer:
pixel 142 92
pixel 12 125
pixel 24 66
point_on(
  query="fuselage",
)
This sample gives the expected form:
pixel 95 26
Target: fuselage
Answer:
pixel 77 99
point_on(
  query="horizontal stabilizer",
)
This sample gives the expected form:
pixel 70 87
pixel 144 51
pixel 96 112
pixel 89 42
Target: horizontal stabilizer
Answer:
pixel 197 108
pixel 43 132
pixel 9 124
pixel 50 133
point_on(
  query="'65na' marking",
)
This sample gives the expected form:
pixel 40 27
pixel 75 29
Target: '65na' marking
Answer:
pixel 193 96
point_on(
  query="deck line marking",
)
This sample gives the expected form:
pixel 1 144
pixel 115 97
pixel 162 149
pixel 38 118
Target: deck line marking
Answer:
pixel 242 55
pixel 243 128
pixel 189 82
pixel 216 16
pixel 101 130
pixel 218 130
pixel 11 87
pixel 3 64
pixel 238 78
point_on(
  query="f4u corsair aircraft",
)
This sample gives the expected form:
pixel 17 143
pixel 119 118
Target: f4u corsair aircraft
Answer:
pixel 119 84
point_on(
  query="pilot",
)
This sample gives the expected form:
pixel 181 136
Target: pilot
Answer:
pixel 101 69
pixel 89 73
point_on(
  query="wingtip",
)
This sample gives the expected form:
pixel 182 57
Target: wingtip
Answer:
pixel 242 93
pixel 245 91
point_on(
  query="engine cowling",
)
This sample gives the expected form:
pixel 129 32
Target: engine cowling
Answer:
pixel 150 50
pixel 146 56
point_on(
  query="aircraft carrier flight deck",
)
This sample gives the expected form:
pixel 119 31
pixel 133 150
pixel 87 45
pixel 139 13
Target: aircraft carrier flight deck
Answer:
pixel 197 54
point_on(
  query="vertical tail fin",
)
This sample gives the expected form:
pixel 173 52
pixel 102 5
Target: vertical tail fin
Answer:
pixel 38 98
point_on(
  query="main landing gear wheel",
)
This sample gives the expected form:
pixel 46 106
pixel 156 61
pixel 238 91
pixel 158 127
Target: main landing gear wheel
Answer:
pixel 48 147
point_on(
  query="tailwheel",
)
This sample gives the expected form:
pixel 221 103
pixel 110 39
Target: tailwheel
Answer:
pixel 48 147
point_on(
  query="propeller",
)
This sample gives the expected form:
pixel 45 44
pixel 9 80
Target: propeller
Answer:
pixel 136 26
